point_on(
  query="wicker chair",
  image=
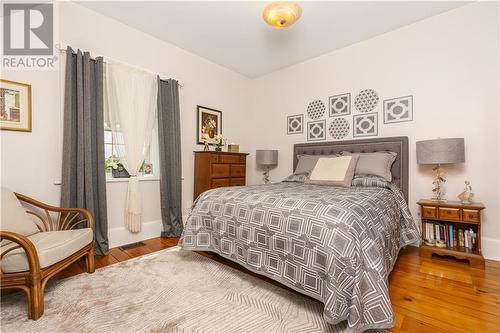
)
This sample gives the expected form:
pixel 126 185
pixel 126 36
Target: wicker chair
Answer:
pixel 37 242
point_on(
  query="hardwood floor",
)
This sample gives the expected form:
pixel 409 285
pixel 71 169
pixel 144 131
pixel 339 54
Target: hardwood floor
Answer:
pixel 437 295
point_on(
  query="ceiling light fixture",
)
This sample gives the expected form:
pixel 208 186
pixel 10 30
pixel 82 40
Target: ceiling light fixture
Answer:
pixel 281 15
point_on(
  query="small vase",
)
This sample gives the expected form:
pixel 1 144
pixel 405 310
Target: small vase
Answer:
pixel 218 148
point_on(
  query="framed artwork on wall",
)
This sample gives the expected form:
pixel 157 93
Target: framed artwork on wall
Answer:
pixel 15 106
pixel 209 124
pixel 295 124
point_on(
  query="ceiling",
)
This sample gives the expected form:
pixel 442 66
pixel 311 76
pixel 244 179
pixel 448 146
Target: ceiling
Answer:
pixel 234 35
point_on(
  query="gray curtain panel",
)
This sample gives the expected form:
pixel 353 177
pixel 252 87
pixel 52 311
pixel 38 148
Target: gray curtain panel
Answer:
pixel 83 174
pixel 169 139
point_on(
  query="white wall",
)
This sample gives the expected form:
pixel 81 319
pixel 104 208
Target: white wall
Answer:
pixel 31 162
pixel 449 63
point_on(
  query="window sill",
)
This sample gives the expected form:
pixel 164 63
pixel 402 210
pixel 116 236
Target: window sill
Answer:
pixel 124 180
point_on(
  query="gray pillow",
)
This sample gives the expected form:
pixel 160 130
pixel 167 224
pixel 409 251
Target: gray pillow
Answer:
pixel 376 164
pixel 307 163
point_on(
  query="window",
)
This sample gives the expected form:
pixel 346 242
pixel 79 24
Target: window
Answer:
pixel 113 144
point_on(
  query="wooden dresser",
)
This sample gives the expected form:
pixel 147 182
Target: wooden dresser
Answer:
pixel 214 169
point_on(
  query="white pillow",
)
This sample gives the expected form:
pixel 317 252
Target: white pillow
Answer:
pixel 334 171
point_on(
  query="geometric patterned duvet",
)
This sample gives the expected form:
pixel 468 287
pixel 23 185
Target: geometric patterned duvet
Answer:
pixel 337 245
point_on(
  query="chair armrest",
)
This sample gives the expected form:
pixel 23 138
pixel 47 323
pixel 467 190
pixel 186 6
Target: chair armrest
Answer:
pixel 68 218
pixel 26 245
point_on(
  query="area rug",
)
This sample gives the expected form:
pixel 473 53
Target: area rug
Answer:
pixel 168 291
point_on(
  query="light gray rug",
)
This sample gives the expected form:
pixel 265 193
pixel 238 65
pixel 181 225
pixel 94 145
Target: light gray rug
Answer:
pixel 168 291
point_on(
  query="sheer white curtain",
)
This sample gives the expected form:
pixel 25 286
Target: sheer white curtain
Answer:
pixel 130 108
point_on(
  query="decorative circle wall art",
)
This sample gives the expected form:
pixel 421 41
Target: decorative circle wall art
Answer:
pixel 340 105
pixel 366 100
pixel 398 109
pixel 365 124
pixel 316 130
pixel 294 124
pixel 339 128
pixel 316 109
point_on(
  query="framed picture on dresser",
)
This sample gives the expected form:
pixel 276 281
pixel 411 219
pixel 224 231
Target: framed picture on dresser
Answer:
pixel 209 124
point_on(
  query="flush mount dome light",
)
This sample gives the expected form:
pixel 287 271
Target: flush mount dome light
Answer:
pixel 281 15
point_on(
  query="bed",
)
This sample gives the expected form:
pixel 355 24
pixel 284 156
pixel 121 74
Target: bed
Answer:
pixel 337 245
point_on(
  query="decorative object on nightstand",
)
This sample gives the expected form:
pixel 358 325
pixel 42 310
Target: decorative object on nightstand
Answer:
pixel 466 195
pixel 267 158
pixel 438 152
pixel 214 169
pixel 452 229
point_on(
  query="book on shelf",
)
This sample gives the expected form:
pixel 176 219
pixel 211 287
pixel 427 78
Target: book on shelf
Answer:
pixel 450 236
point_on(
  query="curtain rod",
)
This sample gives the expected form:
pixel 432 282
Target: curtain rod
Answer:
pixel 63 50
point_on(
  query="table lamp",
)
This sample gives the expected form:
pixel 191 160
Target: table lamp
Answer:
pixel 438 152
pixel 267 158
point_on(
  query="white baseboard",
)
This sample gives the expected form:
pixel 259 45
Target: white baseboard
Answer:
pixel 121 236
pixel 490 248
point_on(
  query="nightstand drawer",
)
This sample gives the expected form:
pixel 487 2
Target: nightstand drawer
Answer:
pixel 470 215
pixel 220 170
pixel 452 214
pixel 429 212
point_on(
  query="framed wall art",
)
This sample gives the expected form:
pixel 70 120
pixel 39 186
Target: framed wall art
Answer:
pixel 209 124
pixel 340 105
pixel 316 130
pixel 15 106
pixel 399 109
pixel 365 125
pixel 295 124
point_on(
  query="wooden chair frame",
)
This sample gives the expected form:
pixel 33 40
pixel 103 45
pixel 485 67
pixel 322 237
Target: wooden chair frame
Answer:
pixel 33 281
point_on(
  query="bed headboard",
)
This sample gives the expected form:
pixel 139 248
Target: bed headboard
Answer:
pixel 398 144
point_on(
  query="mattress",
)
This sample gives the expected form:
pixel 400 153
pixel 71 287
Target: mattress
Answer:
pixel 337 245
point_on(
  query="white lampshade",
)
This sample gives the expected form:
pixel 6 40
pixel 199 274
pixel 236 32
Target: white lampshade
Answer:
pixel 267 157
pixel 441 151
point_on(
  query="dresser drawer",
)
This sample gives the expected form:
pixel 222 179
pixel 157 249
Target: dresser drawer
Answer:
pixel 243 159
pixel 470 215
pixel 237 182
pixel 220 182
pixel 237 170
pixel 230 159
pixel 214 158
pixel 220 170
pixel 429 212
pixel 446 213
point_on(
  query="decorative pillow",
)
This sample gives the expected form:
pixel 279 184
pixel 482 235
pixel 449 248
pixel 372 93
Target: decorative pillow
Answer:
pixel 337 171
pixel 297 178
pixel 307 163
pixel 375 164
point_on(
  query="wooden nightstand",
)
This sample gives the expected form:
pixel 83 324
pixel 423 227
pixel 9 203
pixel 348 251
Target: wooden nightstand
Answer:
pixel 459 216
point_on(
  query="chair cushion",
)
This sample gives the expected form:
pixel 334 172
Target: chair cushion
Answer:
pixel 13 216
pixel 51 247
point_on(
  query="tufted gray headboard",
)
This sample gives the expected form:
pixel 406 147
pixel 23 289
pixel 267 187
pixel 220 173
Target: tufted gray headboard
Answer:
pixel 398 144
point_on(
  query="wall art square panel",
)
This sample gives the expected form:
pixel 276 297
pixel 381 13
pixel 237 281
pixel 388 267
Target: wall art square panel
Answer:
pixel 339 128
pixel 316 130
pixel 366 100
pixel 365 124
pixel 340 105
pixel 316 109
pixel 295 124
pixel 398 109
